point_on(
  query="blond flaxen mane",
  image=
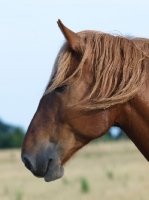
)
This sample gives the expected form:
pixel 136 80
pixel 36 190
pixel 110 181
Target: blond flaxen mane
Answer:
pixel 118 67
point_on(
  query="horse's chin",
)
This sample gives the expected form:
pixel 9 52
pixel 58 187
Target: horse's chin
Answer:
pixel 55 174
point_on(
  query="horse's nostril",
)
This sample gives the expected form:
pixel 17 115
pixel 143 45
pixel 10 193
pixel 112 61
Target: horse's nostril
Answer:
pixel 27 163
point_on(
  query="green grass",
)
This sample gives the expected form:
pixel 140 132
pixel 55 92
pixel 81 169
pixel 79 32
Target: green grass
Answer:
pixel 110 174
pixel 18 195
pixel 85 188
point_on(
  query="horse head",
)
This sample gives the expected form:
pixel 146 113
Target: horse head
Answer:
pixel 82 99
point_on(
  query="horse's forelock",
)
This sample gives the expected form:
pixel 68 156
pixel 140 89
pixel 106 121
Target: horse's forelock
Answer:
pixel 116 64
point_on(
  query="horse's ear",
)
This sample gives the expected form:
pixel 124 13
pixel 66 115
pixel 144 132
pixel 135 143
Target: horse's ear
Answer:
pixel 73 39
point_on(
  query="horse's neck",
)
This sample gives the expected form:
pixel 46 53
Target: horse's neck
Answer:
pixel 134 119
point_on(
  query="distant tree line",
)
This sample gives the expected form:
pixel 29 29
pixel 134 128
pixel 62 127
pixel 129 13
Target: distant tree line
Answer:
pixel 10 136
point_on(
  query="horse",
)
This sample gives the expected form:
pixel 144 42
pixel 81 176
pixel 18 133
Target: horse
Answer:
pixel 98 80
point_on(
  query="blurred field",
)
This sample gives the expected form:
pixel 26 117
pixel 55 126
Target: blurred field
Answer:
pixel 109 171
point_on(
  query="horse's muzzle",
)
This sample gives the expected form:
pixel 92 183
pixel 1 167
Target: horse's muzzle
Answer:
pixel 44 166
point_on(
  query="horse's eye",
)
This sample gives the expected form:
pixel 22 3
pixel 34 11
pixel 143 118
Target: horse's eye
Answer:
pixel 61 88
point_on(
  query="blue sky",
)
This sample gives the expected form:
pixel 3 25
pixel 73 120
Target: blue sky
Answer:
pixel 30 40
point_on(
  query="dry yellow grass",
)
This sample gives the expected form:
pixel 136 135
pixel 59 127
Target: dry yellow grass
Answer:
pixel 110 171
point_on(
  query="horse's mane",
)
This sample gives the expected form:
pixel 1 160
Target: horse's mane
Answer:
pixel 117 65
